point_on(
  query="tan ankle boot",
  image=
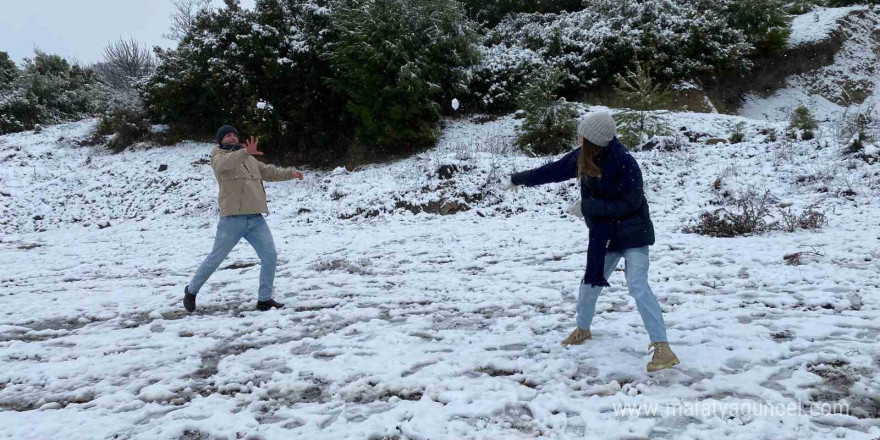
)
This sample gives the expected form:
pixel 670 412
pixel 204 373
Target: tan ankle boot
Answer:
pixel 663 356
pixel 577 337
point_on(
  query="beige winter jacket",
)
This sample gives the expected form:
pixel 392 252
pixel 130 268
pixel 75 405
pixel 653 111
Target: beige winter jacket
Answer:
pixel 241 177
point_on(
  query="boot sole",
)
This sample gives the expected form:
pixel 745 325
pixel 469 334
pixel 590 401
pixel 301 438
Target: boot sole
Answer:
pixel 566 344
pixel 267 308
pixel 664 366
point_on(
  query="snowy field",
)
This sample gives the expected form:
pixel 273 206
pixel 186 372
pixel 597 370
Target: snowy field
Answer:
pixel 426 326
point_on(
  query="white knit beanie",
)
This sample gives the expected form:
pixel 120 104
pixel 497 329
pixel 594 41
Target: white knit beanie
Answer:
pixel 598 128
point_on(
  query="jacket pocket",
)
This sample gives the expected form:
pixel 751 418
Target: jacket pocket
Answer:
pixel 230 195
pixel 241 195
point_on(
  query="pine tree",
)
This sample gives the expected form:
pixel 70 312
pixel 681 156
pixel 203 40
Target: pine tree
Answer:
pixel 549 126
pixel 642 95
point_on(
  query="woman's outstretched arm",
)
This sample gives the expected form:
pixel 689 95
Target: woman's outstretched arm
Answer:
pixel 558 171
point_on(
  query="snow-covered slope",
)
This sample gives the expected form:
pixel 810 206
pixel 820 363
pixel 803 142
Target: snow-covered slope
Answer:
pixel 416 326
pixel 828 91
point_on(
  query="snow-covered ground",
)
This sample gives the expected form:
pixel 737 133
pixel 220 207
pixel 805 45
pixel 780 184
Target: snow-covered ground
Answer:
pixel 817 25
pixel 852 77
pixel 418 326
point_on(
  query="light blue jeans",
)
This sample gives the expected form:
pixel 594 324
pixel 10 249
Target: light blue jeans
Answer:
pixel 231 229
pixel 637 282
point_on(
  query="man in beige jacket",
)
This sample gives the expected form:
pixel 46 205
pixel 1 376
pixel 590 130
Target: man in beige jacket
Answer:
pixel 242 200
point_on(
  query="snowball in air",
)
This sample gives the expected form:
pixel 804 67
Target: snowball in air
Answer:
pixel 455 104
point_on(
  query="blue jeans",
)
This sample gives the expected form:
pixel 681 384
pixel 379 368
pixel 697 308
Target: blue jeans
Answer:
pixel 231 229
pixel 637 282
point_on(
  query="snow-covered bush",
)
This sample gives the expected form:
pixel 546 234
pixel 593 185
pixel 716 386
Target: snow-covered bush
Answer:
pixel 747 214
pixel 490 12
pixel 8 70
pixel 799 7
pixel 291 105
pixel 803 122
pixel 202 84
pixel 738 135
pixel 763 22
pixel 638 123
pixel 396 61
pixel 47 90
pixel 857 128
pixel 549 126
pixel 126 65
pixel 497 81
pixel 123 118
pixel 230 60
pixel 811 218
pixel 681 38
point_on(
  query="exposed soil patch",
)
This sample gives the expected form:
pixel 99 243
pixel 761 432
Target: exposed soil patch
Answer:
pixel 238 266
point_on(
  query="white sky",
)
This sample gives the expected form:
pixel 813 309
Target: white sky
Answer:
pixel 79 29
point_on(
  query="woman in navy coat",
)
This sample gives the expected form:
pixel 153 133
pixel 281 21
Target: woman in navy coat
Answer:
pixel 614 206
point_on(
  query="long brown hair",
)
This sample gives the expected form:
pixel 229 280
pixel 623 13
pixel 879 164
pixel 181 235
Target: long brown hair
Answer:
pixel 586 160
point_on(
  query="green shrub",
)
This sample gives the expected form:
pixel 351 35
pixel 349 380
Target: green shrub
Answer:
pixel 799 7
pixel 497 82
pixel 802 119
pixel 764 22
pixel 490 12
pixel 549 126
pixel 803 122
pixel 683 38
pixel 47 90
pixel 400 63
pixel 125 125
pixel 738 134
pixel 642 96
pixel 8 70
pixel 203 84
pixel 231 60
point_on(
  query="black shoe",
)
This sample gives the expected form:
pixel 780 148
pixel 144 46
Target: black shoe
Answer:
pixel 189 301
pixel 268 304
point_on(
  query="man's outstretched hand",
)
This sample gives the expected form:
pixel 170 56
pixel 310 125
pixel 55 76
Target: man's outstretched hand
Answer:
pixel 298 175
pixel 250 147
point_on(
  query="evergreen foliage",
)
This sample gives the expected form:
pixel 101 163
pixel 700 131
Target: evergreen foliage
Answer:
pixel 549 126
pixel 643 95
pixel 47 90
pixel 396 61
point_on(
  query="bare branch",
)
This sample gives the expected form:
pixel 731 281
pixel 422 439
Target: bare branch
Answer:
pixel 183 17
pixel 125 62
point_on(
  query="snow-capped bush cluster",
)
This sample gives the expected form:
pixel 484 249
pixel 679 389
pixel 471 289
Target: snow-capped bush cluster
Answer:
pixel 49 89
pixel 504 71
pixel 681 38
pixel 804 6
pixel 490 12
pixel 46 90
pixel 326 72
pixel 394 92
pixel 325 81
pixel 353 78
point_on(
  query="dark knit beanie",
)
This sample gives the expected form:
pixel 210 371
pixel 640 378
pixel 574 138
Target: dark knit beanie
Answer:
pixel 223 131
